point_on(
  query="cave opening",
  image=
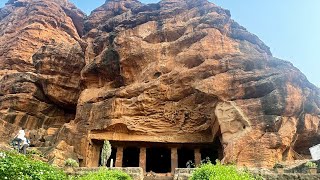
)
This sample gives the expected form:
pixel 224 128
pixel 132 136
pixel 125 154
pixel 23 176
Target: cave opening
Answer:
pixel 113 156
pixel 185 157
pixel 131 157
pixel 212 152
pixel 95 154
pixel 158 160
pixel 209 153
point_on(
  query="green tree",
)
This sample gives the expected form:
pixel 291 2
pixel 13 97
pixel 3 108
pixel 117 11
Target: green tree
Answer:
pixel 106 152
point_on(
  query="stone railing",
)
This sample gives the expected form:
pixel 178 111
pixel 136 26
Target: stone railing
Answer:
pixel 289 176
pixel 183 173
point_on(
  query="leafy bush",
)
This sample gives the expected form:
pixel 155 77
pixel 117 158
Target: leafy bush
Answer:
pixel 310 164
pixel 18 166
pixel 105 174
pixel 71 162
pixel 209 171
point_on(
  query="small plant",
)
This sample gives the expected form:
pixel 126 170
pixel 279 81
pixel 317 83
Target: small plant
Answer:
pixel 206 160
pixel 2 155
pixel 104 174
pixel 190 164
pixel 278 165
pixel 71 163
pixel 34 152
pixel 278 168
pixel 106 152
pixel 311 165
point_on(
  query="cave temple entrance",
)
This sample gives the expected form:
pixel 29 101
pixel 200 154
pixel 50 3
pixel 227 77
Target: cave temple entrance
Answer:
pixel 157 157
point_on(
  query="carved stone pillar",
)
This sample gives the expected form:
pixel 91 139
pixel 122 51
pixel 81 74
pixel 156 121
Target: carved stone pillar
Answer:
pixel 174 159
pixel 93 155
pixel 197 157
pixel 119 157
pixel 143 159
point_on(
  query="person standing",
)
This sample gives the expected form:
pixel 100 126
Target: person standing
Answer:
pixel 25 144
pixel 20 137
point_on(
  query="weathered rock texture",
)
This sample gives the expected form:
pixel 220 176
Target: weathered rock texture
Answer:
pixel 40 62
pixel 175 71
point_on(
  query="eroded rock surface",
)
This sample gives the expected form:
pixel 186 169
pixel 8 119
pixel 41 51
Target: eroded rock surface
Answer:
pixel 59 67
pixel 40 92
pixel 26 25
pixel 174 71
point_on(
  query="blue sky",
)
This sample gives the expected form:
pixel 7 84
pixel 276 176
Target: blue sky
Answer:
pixel 291 28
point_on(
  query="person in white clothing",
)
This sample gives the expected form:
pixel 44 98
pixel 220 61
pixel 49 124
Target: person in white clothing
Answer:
pixel 19 138
pixel 21 134
pixel 25 143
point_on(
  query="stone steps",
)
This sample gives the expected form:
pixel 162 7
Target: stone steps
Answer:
pixel 183 173
pixel 158 178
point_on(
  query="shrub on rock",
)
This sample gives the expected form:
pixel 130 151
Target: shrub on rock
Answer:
pixel 71 163
pixel 209 171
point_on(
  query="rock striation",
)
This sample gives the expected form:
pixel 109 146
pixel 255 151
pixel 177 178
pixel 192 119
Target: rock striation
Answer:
pixel 40 88
pixel 178 68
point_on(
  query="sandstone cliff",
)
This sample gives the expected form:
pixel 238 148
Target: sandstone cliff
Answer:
pixel 41 58
pixel 177 68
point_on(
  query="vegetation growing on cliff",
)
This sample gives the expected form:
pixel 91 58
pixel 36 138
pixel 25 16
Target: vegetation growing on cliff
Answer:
pixel 71 163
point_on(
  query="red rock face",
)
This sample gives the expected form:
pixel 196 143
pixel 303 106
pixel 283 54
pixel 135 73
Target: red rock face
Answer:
pixel 177 71
pixel 39 89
